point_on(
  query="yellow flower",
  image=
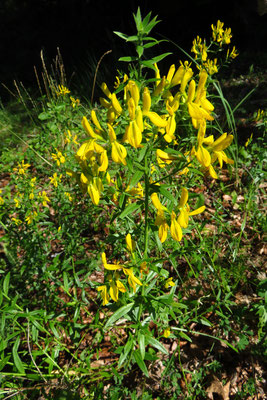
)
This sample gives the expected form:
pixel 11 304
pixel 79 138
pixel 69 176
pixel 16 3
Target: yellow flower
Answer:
pixel 55 179
pixel 31 217
pixel 137 192
pixel 43 197
pixel 211 66
pixel 160 218
pixel 176 230
pixel 130 244
pixel 32 182
pixel 16 221
pixel 74 102
pixel 115 287
pixel 167 332
pixel 227 36
pixel 58 157
pixel 118 151
pixel 184 209
pixel 21 167
pixel 70 138
pixel 132 280
pixel 104 293
pixel 169 283
pixel 68 195
pixel 199 107
pixel 199 48
pixel 164 158
pixel 62 90
pixel 217 31
pixel 232 54
pixel 1 199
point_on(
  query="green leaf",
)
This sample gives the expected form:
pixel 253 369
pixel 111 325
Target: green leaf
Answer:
pixel 184 336
pixel 44 115
pixel 121 35
pixel 6 283
pixel 140 51
pixel 167 194
pixel 66 282
pixel 133 38
pixel 141 364
pixel 128 59
pixel 160 57
pixel 128 347
pixel 150 44
pixel 17 360
pixel 149 64
pixel 142 347
pixel 155 343
pixel 118 314
pixel 136 178
pixel 129 209
pixel 138 20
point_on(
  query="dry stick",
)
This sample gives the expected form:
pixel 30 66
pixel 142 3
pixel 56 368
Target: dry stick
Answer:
pixel 97 67
pixel 46 87
pixel 37 78
pixel 46 74
pixel 29 348
pixel 28 95
pixel 23 102
pixel 8 90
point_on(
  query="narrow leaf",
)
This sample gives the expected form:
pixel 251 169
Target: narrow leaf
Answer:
pixel 6 283
pixel 128 347
pixel 17 360
pixel 155 343
pixel 128 59
pixel 118 314
pixel 121 35
pixel 142 347
pixel 129 209
pixel 141 364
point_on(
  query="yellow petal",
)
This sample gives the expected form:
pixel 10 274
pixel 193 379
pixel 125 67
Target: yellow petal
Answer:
pixel 95 120
pixel 156 119
pixel 170 73
pixel 203 156
pixel 114 292
pixel 178 76
pixel 129 243
pixel 116 104
pixel 93 193
pixel 134 92
pixel 191 91
pixel 155 200
pixel 88 128
pixel 131 108
pixel 197 211
pixel 134 135
pixel 163 232
pixel 176 230
pixel 146 100
pixel 184 198
pixel 111 132
pixel 103 162
pixel 106 90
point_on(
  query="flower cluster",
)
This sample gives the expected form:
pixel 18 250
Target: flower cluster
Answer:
pixel 220 37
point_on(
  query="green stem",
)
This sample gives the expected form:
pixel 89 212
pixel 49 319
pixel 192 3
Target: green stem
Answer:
pixel 146 208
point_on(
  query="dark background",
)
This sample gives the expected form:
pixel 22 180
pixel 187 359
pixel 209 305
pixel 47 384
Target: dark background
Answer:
pixel 83 30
